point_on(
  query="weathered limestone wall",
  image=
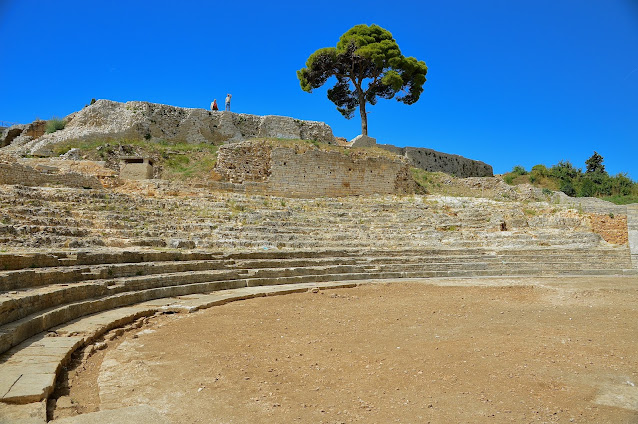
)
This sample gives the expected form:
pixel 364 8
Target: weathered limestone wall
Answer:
pixel 281 171
pixel 433 161
pixel 12 172
pixel 111 120
pixel 316 173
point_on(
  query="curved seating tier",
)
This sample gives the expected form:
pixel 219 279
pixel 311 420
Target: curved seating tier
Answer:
pixel 40 291
pixel 76 263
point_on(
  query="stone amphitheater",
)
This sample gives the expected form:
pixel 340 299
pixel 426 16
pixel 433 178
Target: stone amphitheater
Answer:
pixel 77 263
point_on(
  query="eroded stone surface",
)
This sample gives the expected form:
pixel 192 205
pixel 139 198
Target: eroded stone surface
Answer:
pixel 106 119
pixel 31 413
pixel 141 414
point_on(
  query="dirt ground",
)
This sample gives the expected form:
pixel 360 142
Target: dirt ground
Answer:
pixel 435 351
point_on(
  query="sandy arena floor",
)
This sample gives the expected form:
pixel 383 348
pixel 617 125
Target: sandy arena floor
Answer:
pixel 438 351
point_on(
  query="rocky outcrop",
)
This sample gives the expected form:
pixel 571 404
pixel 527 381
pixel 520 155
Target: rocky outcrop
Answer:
pixel 22 133
pixel 111 120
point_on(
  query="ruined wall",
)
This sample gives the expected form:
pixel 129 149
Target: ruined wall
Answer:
pixel 310 173
pixel 12 172
pixel 111 120
pixel 433 161
pixel 20 133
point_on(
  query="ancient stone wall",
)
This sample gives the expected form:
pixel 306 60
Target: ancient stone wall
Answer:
pixel 12 172
pixel 111 120
pixel 291 172
pixel 433 161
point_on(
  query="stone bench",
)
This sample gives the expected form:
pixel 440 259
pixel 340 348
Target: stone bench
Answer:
pixel 49 300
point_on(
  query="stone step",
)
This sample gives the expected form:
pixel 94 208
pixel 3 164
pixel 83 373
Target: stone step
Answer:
pixel 126 229
pixel 25 279
pixel 32 261
pixel 16 305
pixel 67 302
pixel 17 331
pixel 29 278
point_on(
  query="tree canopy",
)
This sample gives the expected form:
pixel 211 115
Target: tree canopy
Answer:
pixel 595 163
pixel 368 65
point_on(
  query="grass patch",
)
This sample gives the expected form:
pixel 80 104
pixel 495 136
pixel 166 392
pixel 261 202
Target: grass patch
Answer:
pixel 621 200
pixel 181 166
pixel 422 178
pixel 179 161
pixel 53 125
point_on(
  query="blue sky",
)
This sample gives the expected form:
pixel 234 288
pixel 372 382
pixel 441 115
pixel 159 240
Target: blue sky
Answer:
pixel 510 81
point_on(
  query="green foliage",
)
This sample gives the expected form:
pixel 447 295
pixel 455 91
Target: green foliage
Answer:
pixel 540 170
pixel 594 182
pixel 179 160
pixel 595 164
pixel 422 178
pixel 54 124
pixel 567 187
pixel 519 170
pixel 92 101
pixel 622 185
pixel 368 65
pixel 564 171
pixel 587 188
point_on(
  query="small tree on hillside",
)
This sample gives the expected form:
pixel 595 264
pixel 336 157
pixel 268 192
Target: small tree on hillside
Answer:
pixel 595 164
pixel 368 64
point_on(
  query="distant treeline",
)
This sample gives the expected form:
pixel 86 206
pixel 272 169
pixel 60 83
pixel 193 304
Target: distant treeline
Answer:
pixel 594 182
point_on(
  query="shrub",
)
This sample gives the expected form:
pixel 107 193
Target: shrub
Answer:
pixel 621 184
pixel 568 188
pixel 587 188
pixel 519 170
pixel 564 171
pixel 540 170
pixel 53 125
pixel 509 179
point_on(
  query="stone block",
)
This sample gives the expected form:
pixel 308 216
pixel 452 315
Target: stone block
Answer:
pixel 363 141
pixel 30 388
pixel 142 414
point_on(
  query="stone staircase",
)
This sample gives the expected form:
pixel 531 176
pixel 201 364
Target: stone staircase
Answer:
pixel 76 263
pixel 72 218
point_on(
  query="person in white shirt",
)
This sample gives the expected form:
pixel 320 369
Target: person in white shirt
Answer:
pixel 228 96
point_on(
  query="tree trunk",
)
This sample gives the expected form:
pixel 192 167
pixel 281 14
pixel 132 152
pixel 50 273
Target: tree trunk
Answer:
pixel 364 116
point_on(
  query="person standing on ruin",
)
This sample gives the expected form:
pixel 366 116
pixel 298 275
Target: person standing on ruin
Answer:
pixel 228 96
pixel 213 106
